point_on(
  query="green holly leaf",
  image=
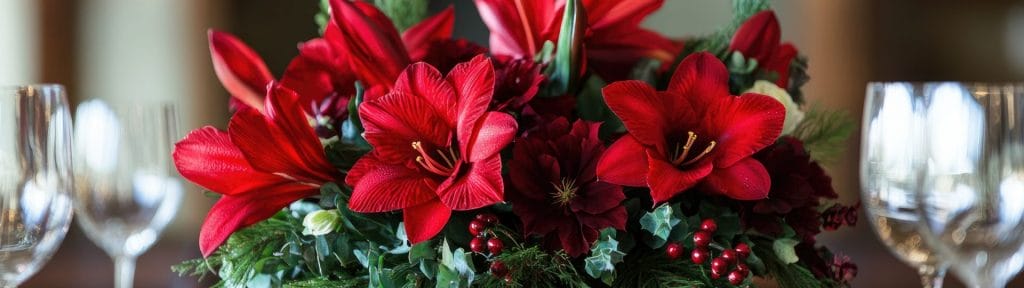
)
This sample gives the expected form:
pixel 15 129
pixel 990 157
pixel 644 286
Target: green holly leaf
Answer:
pixel 604 255
pixel 659 224
pixel 784 249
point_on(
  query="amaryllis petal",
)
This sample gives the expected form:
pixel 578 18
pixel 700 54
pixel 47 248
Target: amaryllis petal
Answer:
pixel 666 180
pixel 479 184
pixel 746 180
pixel 495 131
pixel 424 81
pixel 369 37
pixel 640 109
pixel 758 37
pixel 625 13
pixel 281 141
pixel 207 157
pixel 624 163
pixel 393 122
pixel 700 76
pixel 239 68
pixel 236 212
pixel 745 125
pixel 418 38
pixel 318 72
pixel 382 187
pixel 517 26
pixel 424 221
pixel 474 87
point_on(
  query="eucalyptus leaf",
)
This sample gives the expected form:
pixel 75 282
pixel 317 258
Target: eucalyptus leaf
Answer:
pixel 658 224
pixel 784 249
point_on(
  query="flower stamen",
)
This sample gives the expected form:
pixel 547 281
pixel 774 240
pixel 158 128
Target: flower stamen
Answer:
pixel 431 164
pixel 691 138
pixel 565 191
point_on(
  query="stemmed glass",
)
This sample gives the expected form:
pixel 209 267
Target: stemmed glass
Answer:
pixel 35 178
pixel 971 199
pixel 891 161
pixel 125 193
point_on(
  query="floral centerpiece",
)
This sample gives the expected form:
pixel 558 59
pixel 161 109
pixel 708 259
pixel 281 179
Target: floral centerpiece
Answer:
pixel 578 150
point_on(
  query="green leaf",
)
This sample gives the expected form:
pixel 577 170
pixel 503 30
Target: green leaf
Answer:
pixel 658 224
pixel 457 262
pixel 421 251
pixel 403 13
pixel 352 129
pixel 646 70
pixel 783 247
pixel 546 52
pixel 591 106
pixel 603 257
pixel 824 133
pixel 569 54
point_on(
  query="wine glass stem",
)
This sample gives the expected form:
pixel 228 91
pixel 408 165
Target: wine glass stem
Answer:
pixel 124 271
pixel 931 277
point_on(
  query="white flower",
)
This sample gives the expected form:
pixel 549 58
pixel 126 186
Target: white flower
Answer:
pixel 321 222
pixel 793 113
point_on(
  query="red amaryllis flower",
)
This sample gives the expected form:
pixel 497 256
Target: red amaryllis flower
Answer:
pixel 261 164
pixel 695 132
pixel 556 192
pixel 614 43
pixel 241 71
pixel 435 147
pixel 759 38
pixel 377 53
pixel 319 74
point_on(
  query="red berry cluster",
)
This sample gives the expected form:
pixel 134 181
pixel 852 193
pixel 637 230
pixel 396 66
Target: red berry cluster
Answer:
pixel 734 257
pixel 485 240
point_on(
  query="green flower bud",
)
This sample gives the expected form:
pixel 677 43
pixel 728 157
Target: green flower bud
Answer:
pixel 321 222
pixel 793 113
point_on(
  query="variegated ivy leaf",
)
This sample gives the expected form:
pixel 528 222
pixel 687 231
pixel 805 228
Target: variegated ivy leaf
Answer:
pixel 783 248
pixel 603 257
pixel 659 224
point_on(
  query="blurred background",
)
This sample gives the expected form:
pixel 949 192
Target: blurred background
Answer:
pixel 120 49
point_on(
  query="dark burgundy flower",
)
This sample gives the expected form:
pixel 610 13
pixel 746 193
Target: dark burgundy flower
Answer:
pixel 838 215
pixel 805 221
pixel 445 53
pixel 695 132
pixel 517 81
pixel 555 189
pixel 797 181
pixel 842 269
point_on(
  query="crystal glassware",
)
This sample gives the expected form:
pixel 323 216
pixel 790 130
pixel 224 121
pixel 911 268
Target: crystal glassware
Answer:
pixel 35 178
pixel 971 199
pixel 125 192
pixel 891 161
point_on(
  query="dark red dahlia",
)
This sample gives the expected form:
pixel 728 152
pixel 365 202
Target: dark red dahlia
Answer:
pixel 797 185
pixel 517 81
pixel 555 188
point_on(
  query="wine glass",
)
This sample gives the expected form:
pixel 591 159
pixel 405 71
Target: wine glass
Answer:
pixel 971 200
pixel 891 161
pixel 35 178
pixel 125 193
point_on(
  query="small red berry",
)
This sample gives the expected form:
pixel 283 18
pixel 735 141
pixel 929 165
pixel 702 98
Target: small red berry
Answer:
pixel 488 218
pixel 743 250
pixel 719 265
pixel 742 268
pixel 729 255
pixel 476 227
pixel 509 280
pixel 498 269
pixel 699 255
pixel 674 250
pixel 701 239
pixel 709 225
pixel 495 246
pixel 715 275
pixel 477 245
pixel 736 277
